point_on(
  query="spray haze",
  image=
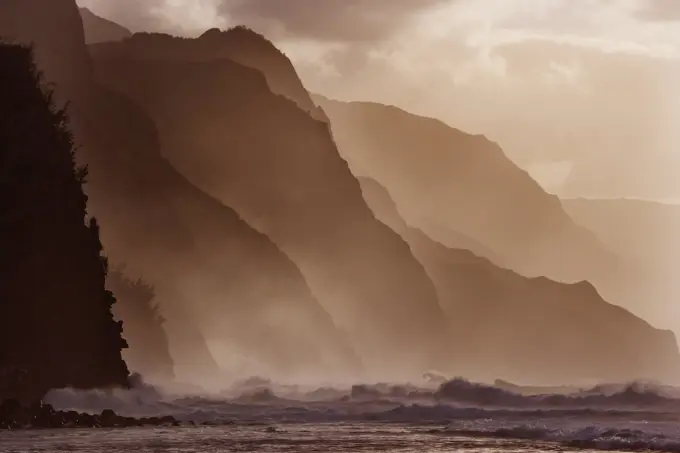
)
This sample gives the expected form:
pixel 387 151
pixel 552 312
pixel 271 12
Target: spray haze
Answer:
pixel 581 95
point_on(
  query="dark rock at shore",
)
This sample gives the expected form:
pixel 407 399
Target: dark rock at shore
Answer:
pixel 43 416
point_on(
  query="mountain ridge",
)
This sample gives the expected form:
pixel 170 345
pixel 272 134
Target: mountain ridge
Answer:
pixel 290 183
pixel 444 179
pixel 238 44
pixel 492 305
pixel 98 29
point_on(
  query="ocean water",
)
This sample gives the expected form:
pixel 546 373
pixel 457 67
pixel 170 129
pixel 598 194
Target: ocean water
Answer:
pixel 296 438
pixel 259 416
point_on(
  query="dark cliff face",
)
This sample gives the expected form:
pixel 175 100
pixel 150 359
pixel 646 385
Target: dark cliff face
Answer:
pixel 98 29
pixel 238 44
pixel 56 325
pixel 211 271
pixel 438 175
pixel 531 329
pixel 55 29
pixel 279 168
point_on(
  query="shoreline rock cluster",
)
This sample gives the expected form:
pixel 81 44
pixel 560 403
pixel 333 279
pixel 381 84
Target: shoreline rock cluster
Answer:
pixel 15 416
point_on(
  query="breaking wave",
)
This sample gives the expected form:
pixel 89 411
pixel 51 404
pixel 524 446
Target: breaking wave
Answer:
pixel 636 394
pixel 633 416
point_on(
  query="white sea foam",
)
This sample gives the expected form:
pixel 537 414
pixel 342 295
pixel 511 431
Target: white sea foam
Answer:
pixel 637 416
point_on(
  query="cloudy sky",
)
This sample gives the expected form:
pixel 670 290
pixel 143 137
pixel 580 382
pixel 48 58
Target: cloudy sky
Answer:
pixel 558 83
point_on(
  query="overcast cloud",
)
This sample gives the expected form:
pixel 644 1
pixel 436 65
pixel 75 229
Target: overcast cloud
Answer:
pixel 328 20
pixel 660 10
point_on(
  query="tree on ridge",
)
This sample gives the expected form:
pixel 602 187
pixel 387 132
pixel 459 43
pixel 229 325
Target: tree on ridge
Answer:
pixel 149 351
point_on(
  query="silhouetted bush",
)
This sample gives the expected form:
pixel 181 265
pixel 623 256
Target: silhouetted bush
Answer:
pixel 56 324
pixel 149 352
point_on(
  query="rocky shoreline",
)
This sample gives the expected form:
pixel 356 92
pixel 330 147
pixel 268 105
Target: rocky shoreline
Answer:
pixel 14 416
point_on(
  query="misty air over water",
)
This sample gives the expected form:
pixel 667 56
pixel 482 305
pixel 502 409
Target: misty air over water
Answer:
pixel 339 225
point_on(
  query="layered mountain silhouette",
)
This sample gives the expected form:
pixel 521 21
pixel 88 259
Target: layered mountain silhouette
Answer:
pixel 262 251
pixel 56 324
pixel 280 77
pixel 98 29
pixel 449 183
pixel 216 278
pixel 533 329
pixel 259 152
